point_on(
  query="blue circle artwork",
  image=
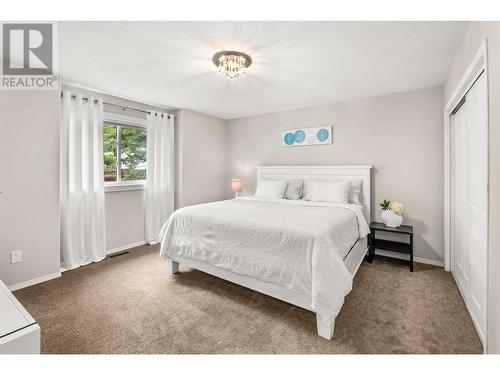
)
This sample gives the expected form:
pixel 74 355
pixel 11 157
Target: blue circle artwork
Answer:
pixel 300 136
pixel 289 138
pixel 322 135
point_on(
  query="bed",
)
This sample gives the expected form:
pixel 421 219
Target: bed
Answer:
pixel 302 252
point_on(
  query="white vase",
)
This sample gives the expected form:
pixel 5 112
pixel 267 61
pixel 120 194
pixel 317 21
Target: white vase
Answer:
pixel 391 219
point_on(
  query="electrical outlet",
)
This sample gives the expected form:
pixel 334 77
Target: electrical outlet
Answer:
pixel 16 256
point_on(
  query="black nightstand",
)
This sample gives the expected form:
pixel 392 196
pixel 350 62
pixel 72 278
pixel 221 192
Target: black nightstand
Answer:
pixel 400 247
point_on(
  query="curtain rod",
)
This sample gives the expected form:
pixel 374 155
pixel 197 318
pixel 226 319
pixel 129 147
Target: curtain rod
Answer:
pixel 116 105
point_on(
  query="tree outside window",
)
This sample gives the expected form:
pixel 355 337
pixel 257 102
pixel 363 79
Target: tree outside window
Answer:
pixel 124 152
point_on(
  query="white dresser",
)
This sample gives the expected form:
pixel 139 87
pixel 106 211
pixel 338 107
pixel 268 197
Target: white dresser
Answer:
pixel 19 333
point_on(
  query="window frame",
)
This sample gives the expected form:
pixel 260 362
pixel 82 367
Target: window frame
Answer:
pixel 128 121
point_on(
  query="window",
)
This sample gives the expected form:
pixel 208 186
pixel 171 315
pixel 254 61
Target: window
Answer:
pixel 124 154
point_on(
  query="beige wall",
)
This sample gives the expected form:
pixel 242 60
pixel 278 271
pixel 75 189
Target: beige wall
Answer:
pixel 400 135
pixel 201 155
pixel 477 33
pixel 29 182
pixel 124 217
pixel 29 154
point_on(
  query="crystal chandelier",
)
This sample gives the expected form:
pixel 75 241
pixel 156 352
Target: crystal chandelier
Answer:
pixel 232 64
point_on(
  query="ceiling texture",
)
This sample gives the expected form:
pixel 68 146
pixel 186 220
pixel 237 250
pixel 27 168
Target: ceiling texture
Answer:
pixel 295 64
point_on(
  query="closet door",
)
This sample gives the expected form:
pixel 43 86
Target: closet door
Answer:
pixel 477 136
pixel 460 268
pixel 469 127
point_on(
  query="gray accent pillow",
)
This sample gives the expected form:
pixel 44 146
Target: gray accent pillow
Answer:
pixel 294 189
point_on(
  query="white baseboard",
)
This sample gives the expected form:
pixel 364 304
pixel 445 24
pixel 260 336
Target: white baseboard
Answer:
pixel 42 279
pixel 432 262
pixel 124 247
pixel 31 282
pixel 391 254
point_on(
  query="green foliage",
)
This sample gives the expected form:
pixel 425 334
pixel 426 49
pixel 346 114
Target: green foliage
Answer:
pixel 133 152
pixel 386 205
pixel 109 139
pixel 133 147
pixel 109 159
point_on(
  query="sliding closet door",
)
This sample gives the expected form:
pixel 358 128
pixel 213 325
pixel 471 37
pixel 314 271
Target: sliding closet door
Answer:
pixel 469 215
pixel 460 268
pixel 477 128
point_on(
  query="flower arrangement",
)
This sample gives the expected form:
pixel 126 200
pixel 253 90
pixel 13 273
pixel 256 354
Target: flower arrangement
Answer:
pixel 392 213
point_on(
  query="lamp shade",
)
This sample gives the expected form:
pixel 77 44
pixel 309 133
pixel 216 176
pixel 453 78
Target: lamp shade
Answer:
pixel 236 185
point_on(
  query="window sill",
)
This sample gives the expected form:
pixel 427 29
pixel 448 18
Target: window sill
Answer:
pixel 112 187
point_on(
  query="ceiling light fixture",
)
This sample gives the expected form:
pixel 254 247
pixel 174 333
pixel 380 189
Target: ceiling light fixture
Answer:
pixel 232 64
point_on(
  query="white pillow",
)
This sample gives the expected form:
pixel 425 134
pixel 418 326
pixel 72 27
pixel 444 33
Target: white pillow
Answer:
pixel 329 191
pixel 294 189
pixel 271 188
pixel 354 193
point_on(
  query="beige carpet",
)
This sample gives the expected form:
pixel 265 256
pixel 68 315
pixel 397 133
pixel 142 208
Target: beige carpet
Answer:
pixel 130 304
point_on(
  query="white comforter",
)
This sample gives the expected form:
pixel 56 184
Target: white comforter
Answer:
pixel 296 244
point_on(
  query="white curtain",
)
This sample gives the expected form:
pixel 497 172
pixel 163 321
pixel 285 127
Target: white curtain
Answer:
pixel 82 181
pixel 159 174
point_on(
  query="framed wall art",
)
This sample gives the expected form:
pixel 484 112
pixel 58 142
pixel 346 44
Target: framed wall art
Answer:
pixel 308 136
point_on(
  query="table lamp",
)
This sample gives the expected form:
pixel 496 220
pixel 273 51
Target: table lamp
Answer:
pixel 236 186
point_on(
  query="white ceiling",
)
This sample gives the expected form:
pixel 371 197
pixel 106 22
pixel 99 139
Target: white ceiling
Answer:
pixel 295 64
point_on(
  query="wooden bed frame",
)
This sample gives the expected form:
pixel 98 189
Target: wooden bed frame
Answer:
pixel 352 260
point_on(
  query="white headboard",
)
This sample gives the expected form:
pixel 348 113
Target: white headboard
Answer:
pixel 327 172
